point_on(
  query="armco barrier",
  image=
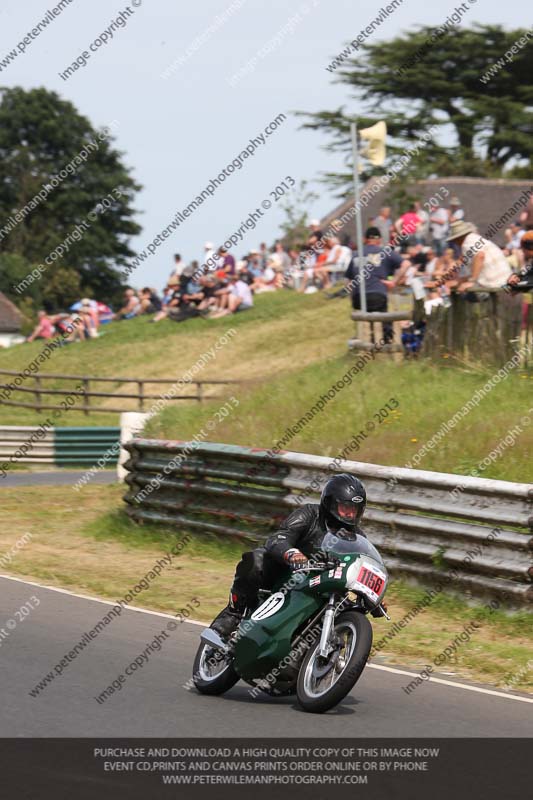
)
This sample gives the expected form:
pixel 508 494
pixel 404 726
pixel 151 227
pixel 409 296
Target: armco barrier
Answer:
pixel 485 534
pixel 61 446
pixel 84 446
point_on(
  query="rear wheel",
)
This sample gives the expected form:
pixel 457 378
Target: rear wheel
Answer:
pixel 324 682
pixel 213 671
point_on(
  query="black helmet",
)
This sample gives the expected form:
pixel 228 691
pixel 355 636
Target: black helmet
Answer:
pixel 343 502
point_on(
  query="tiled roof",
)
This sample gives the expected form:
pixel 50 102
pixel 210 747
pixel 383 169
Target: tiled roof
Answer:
pixel 10 316
pixel 484 200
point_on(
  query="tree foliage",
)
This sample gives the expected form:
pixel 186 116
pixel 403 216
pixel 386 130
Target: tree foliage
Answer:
pixel 418 80
pixel 40 134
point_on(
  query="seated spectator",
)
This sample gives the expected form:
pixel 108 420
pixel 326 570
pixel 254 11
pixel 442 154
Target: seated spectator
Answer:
pixel 131 306
pixel 485 264
pixel 244 272
pixel 150 301
pixel 227 262
pixel 240 295
pixel 90 318
pixel 281 259
pixel 338 260
pixel 44 328
pixel 167 295
pixel 311 260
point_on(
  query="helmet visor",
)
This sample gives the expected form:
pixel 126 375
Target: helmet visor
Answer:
pixel 347 512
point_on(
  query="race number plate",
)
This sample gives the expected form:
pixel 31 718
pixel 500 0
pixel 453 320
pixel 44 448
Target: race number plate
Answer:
pixel 371 580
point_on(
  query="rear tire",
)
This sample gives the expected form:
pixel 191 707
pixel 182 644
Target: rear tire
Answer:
pixel 210 676
pixel 322 683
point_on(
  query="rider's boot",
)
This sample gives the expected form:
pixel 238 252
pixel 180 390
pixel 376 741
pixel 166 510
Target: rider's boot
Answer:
pixel 229 618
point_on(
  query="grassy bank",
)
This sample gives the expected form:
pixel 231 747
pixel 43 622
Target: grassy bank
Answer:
pixel 84 544
pixel 425 395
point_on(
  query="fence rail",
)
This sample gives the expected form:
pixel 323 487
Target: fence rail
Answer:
pixel 486 534
pixel 141 395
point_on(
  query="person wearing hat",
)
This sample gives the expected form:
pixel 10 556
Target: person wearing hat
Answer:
pixel 380 262
pixel 485 264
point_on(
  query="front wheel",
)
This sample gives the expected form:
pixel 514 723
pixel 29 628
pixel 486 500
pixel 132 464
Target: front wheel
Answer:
pixel 324 682
pixel 213 672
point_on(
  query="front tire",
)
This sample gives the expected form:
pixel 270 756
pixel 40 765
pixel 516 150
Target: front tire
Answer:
pixel 324 682
pixel 213 673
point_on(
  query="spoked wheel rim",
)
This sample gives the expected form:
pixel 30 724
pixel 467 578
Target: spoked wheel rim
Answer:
pixel 321 674
pixel 213 664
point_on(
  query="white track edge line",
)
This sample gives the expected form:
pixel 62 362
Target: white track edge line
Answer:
pixel 394 670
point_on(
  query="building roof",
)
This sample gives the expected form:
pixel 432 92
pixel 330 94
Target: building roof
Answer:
pixel 486 201
pixel 10 316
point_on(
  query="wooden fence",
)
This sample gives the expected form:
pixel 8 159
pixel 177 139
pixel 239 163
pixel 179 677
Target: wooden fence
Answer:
pixel 85 382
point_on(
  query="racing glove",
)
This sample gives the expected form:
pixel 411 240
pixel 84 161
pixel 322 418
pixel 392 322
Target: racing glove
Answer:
pixel 295 559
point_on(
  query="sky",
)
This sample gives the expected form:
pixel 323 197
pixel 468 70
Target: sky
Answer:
pixel 190 84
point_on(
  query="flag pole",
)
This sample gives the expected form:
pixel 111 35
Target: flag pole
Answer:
pixel 358 225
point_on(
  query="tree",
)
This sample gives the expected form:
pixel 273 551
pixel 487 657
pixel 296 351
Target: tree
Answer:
pixel 48 147
pixel 442 77
pixel 295 226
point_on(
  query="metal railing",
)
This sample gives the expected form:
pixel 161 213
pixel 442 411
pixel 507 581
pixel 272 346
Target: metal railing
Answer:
pixel 39 391
pixel 421 529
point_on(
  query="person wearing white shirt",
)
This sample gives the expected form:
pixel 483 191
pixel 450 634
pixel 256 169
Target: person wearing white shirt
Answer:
pixel 240 297
pixel 485 263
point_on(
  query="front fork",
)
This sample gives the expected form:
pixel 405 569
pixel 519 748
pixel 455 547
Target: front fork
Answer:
pixel 327 627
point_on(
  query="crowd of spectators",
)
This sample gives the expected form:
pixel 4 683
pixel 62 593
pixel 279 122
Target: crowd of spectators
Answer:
pixel 429 253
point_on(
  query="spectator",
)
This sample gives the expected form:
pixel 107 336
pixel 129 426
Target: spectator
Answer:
pixel 339 258
pixel 44 328
pixel 455 211
pixel 407 226
pixel 485 264
pixel 281 259
pixel 240 296
pixel 439 228
pixel 210 258
pixel 422 234
pixel 131 306
pixel 315 228
pixel 513 237
pixel 526 217
pixel 90 317
pixel 244 272
pixel 525 275
pixel 227 262
pixel 380 263
pixel 313 258
pixel 150 301
pixel 179 266
pixel 264 255
pixel 383 222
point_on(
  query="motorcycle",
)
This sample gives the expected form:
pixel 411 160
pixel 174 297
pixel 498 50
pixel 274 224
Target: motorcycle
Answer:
pixel 310 635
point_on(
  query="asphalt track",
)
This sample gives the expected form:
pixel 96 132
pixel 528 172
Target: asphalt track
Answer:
pixel 154 702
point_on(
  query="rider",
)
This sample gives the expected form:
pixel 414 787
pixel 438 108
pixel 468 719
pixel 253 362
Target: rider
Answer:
pixel 342 504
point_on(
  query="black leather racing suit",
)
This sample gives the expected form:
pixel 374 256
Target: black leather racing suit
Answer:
pixel 303 529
